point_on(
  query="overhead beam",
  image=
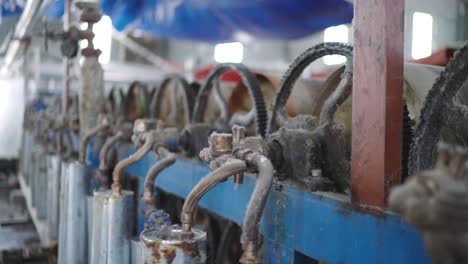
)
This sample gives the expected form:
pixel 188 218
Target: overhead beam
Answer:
pixel 144 53
pixel 377 99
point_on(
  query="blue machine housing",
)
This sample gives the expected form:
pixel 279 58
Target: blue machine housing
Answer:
pixel 296 225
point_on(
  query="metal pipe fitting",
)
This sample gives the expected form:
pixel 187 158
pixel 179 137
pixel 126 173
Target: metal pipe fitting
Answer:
pixel 339 96
pixel 141 152
pixel 232 166
pixel 256 205
pixel 106 148
pixel 153 172
pixel 84 143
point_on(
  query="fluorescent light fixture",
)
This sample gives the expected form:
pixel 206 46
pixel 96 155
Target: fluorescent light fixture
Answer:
pixel 335 34
pixel 103 38
pixel 422 35
pixel 229 52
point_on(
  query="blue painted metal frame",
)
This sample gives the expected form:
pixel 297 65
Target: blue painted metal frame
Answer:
pixel 296 224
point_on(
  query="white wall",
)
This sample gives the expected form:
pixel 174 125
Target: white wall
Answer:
pixel 11 117
pixel 444 13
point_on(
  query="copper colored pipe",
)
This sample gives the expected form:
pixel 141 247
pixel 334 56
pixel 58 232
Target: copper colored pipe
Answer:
pixel 338 97
pixel 148 194
pixel 233 166
pixel 255 208
pixel 105 150
pixel 84 143
pixel 119 168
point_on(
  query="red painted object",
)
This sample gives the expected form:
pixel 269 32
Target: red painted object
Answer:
pixel 438 58
pixel 377 99
pixel 229 76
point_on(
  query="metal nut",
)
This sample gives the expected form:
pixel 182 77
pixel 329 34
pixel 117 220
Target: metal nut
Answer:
pixel 144 125
pixel 220 143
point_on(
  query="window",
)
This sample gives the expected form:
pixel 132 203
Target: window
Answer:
pixel 229 52
pixel 336 34
pixel 422 35
pixel 103 38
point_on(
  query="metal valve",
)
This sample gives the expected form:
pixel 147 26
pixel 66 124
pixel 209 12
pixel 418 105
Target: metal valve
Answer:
pixel 232 155
pixel 435 202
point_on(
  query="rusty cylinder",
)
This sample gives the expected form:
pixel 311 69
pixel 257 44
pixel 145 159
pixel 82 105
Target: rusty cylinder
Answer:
pixel 136 251
pixel 92 97
pixel 40 184
pixel 34 174
pixel 26 157
pixel 62 239
pixel 53 188
pixel 76 214
pixel 171 247
pixel 98 244
pixel 120 224
pixel 112 227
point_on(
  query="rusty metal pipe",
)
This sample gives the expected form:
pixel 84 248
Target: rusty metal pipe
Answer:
pixel 232 166
pixel 243 120
pixel 339 96
pixel 106 148
pixel 255 208
pixel 84 143
pixel 148 194
pixel 118 170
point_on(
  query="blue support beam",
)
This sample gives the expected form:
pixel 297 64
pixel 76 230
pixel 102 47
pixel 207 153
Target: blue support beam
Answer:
pixel 297 225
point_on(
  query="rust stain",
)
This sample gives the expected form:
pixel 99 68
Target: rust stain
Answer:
pixel 155 253
pixel 169 254
pixel 189 249
pixel 348 209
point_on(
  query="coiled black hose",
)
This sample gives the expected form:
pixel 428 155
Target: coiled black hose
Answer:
pixel 116 100
pixel 295 71
pixel 437 111
pixel 138 95
pixel 249 80
pixel 189 95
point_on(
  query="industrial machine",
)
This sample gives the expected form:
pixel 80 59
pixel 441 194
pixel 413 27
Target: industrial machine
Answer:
pixel 143 175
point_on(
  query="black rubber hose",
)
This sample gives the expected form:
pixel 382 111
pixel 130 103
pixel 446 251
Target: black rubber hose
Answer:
pixel 426 133
pixel 116 99
pixel 132 96
pixel 296 69
pixel 407 141
pixel 155 106
pixel 249 80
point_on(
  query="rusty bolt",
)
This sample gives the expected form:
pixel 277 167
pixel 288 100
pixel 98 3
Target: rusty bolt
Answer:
pixel 144 125
pixel 238 134
pixel 220 143
pixel 104 119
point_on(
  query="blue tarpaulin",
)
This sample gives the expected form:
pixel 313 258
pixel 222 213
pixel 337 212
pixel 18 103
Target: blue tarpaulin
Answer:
pixel 223 20
pixel 12 7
